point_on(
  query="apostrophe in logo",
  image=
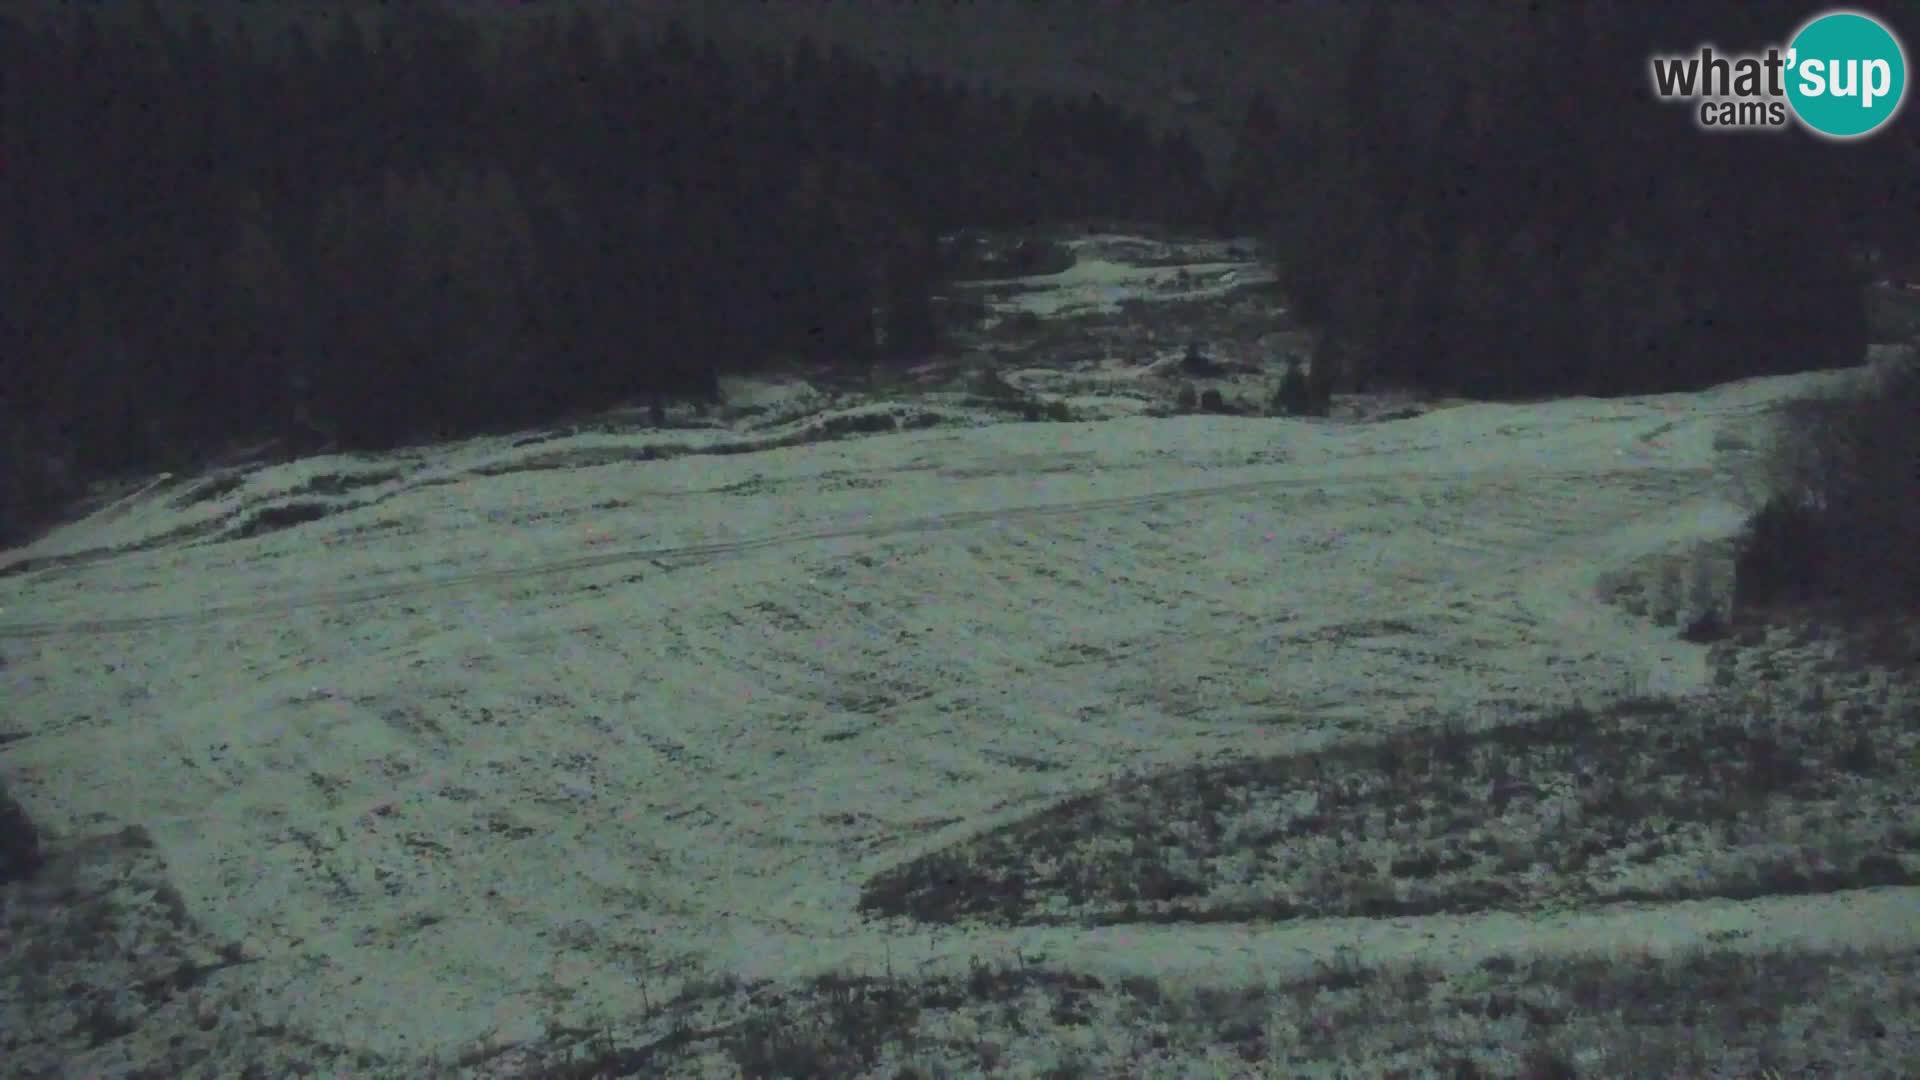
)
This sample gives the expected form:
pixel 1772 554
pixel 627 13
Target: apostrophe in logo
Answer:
pixel 1846 74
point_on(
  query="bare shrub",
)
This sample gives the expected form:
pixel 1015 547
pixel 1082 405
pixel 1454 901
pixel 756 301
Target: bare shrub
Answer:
pixel 1842 514
pixel 1299 394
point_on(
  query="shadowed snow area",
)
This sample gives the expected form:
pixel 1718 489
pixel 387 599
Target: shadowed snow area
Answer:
pixel 501 717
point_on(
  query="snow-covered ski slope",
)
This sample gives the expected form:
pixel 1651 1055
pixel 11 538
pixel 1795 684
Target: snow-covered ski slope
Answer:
pixel 500 715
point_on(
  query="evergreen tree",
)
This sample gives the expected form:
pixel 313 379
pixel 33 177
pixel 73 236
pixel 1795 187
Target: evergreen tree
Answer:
pixel 1254 173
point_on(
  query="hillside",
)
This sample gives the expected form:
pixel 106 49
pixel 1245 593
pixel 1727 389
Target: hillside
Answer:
pixel 898 730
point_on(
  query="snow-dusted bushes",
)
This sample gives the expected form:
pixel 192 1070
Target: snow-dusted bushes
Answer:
pixel 1843 516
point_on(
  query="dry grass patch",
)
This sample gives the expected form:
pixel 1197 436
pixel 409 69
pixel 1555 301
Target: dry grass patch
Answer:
pixel 1646 800
pixel 1716 1012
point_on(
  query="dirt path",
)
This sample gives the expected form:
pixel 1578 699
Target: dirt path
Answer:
pixel 1229 953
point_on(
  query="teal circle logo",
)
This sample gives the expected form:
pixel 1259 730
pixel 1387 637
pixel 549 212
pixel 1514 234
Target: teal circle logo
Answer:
pixel 1846 74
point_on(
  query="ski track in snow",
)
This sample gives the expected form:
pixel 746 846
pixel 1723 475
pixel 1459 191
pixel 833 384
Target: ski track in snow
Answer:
pixel 424 773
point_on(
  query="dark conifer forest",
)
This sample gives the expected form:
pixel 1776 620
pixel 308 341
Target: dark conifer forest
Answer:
pixel 1493 203
pixel 415 226
pixel 411 232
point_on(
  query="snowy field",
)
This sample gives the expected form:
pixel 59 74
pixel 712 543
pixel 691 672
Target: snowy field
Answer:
pixel 467 749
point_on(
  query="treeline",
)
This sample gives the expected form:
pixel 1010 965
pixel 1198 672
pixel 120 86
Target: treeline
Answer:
pixel 400 229
pixel 1488 200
